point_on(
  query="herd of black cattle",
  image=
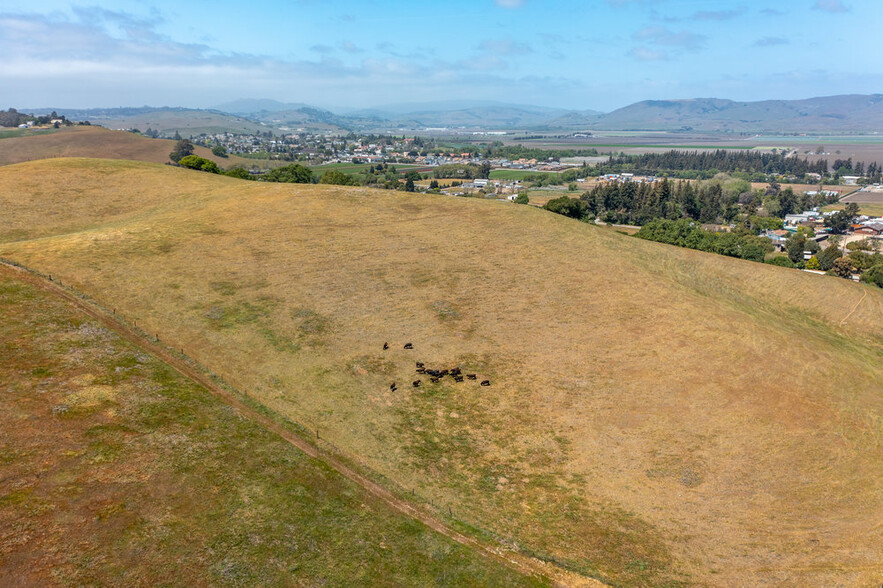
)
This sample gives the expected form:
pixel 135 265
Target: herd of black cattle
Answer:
pixel 435 376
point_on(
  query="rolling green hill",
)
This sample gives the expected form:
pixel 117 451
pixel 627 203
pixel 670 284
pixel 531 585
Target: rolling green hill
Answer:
pixel 655 415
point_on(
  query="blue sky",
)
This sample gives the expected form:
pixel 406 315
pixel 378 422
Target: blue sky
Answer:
pixel 587 54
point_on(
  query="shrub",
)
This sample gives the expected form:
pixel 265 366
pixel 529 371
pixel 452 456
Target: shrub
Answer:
pixel 781 261
pixel 199 163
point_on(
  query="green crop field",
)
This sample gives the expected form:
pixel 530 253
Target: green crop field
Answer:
pixel 514 174
pixel 13 133
pixel 655 415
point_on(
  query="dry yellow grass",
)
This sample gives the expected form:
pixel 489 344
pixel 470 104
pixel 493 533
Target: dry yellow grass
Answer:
pixel 656 414
pixel 95 141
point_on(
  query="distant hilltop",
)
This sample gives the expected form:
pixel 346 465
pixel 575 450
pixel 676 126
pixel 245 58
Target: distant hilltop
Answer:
pixel 852 113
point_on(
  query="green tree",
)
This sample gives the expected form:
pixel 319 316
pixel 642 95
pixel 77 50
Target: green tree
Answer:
pixel 813 263
pixel 572 207
pixel 199 163
pixel 337 177
pixel 827 257
pixel 842 267
pixel 291 174
pixel 522 198
pixel 874 275
pixel 219 151
pixel 409 185
pixel 238 172
pixel 781 260
pixel 794 247
pixel 183 148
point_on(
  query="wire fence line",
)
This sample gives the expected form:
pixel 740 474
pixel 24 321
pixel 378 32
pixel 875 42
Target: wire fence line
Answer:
pixel 313 434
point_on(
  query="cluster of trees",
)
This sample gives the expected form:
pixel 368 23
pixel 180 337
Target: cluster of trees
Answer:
pixel 690 164
pixel 497 150
pixel 13 118
pixel 863 256
pixel 719 199
pixel 467 171
pixel 845 167
pixel 683 232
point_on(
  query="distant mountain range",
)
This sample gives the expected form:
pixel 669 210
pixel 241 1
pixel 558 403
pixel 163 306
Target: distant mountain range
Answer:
pixel 831 114
pixel 847 113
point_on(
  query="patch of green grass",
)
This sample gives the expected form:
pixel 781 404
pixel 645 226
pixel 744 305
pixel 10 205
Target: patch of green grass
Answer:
pixel 226 316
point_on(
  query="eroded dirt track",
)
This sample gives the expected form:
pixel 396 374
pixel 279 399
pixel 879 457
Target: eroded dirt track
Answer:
pixel 515 560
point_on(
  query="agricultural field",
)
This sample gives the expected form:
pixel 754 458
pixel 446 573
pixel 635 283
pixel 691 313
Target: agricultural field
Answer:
pixel 8 133
pixel 871 209
pixel 514 174
pixel 356 168
pixel 117 470
pixel 654 415
pixel 865 197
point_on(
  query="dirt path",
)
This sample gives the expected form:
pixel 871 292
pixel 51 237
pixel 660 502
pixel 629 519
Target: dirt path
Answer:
pixel 517 561
pixel 849 314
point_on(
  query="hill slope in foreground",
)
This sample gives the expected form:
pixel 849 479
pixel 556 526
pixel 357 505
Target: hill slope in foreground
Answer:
pixel 117 471
pixel 655 414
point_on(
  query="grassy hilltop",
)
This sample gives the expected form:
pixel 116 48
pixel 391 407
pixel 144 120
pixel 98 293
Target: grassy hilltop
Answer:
pixel 95 141
pixel 656 415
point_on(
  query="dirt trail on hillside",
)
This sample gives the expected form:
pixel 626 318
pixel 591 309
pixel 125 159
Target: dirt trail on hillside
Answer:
pixel 521 563
pixel 849 314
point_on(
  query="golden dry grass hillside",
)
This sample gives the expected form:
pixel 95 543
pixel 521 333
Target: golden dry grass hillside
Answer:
pixel 656 416
pixel 95 141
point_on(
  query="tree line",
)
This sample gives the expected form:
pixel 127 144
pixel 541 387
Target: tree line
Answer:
pixel 720 199
pixel 720 160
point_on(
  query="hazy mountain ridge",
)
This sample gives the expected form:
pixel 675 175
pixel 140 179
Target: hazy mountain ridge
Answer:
pixel 828 114
pixel 846 113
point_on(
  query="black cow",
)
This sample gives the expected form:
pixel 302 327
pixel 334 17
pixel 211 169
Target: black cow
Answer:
pixel 485 382
pixel 421 371
pixel 392 387
pixel 409 346
pixel 458 378
pixel 415 383
pixel 385 346
pixel 420 364
pixel 434 380
pixel 471 376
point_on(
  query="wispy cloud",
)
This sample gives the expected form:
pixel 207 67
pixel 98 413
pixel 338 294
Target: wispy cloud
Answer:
pixel 833 6
pixel 665 37
pixel 350 47
pixel 770 42
pixel 647 54
pixel 772 12
pixel 619 3
pixel 718 14
pixel 323 49
pixel 504 47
